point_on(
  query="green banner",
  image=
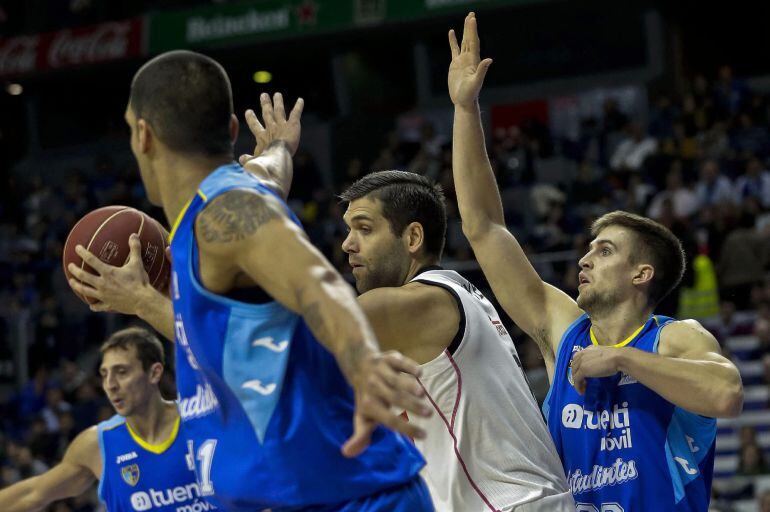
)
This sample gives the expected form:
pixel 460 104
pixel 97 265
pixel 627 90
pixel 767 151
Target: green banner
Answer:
pixel 243 23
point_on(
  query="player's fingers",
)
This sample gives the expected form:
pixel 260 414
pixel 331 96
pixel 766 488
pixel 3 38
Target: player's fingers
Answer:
pixel 362 434
pixel 473 34
pixel 399 393
pixel 267 110
pixel 453 46
pixel 296 112
pixel 465 43
pixel 84 290
pixel 405 398
pixel 252 121
pixel 481 71
pixel 579 381
pixel 375 409
pixel 91 259
pixel 82 275
pixel 134 250
pixel 99 307
pixel 244 158
pixel 278 109
pixel 401 363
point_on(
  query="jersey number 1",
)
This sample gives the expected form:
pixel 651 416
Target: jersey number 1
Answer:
pixel 205 456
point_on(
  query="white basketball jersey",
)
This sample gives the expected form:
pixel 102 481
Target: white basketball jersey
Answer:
pixel 487 447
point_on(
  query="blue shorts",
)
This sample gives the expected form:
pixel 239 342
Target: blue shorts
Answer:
pixel 413 496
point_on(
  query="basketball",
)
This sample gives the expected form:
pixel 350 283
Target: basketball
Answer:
pixel 105 233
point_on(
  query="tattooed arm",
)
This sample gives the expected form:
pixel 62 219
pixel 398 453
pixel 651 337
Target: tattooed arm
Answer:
pixel 243 231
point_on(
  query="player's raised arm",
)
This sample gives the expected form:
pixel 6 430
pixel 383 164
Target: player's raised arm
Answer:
pixel 252 232
pixel 273 166
pixel 73 476
pixel 541 310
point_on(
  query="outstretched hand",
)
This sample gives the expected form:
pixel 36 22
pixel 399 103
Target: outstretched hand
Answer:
pixel 387 385
pixel 467 70
pixel 276 125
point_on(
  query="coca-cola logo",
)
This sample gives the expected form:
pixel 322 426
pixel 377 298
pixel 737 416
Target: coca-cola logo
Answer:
pixel 18 55
pixel 106 42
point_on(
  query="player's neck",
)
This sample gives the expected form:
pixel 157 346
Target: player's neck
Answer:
pixel 155 421
pixel 417 266
pixel 617 325
pixel 180 178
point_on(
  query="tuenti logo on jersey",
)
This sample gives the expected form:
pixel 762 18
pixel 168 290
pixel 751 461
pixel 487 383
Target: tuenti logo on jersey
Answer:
pixel 609 421
pixel 184 497
pixel 601 476
pixel 203 402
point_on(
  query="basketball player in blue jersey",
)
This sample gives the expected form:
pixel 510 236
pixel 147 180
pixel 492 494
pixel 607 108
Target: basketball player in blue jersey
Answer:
pixel 138 456
pixel 268 333
pixel 633 395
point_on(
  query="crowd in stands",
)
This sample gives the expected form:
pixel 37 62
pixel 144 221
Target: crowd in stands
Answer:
pixel 699 165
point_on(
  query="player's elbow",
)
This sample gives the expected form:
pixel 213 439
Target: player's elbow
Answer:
pixel 730 403
pixel 476 229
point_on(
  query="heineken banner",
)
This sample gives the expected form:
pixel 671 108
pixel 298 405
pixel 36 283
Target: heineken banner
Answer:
pixel 243 23
pixel 71 47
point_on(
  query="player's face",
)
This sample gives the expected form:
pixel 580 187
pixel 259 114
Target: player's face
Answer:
pixel 125 382
pixel 606 273
pixel 145 169
pixel 378 257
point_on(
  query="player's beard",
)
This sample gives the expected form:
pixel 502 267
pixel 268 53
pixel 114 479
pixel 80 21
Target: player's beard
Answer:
pixel 598 303
pixel 388 270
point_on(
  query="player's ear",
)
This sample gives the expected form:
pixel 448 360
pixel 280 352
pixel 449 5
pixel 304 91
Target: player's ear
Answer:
pixel 415 237
pixel 156 372
pixel 144 133
pixel 234 126
pixel 644 274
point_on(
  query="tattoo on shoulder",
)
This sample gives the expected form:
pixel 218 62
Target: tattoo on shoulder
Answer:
pixel 235 216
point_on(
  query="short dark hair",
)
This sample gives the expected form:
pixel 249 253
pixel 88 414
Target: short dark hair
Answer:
pixel 406 197
pixel 656 244
pixel 187 99
pixel 149 349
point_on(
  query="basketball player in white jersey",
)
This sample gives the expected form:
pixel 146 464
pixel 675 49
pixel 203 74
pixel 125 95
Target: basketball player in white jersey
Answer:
pixel 487 447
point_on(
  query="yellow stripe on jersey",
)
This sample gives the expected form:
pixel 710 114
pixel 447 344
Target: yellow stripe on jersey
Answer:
pixel 622 343
pixel 178 220
pixel 155 448
pixel 181 214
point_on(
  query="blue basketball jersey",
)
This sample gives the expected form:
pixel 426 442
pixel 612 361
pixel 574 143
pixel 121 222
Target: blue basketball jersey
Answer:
pixel 139 477
pixel 623 446
pixel 264 404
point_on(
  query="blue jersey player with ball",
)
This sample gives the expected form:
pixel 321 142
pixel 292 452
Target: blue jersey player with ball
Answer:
pixel 283 390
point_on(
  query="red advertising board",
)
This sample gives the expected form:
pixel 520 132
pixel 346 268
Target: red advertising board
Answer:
pixel 70 48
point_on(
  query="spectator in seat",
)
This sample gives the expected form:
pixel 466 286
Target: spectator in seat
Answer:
pixel 752 460
pixel 633 150
pixel 754 183
pixel 683 200
pixel 713 188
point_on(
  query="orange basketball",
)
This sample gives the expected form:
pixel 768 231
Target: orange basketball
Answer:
pixel 105 233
